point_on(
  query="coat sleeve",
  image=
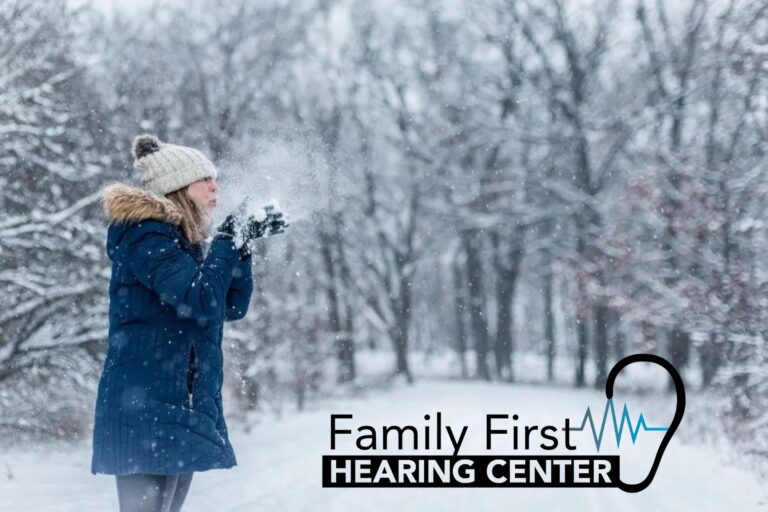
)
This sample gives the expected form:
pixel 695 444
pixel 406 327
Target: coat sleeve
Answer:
pixel 195 291
pixel 240 290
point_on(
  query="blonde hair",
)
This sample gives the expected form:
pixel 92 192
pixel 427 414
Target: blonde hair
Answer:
pixel 193 222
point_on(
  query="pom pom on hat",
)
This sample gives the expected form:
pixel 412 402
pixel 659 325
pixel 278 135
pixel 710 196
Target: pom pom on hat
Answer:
pixel 144 145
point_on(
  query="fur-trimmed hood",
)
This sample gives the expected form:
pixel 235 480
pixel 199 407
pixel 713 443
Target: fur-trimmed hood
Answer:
pixel 124 204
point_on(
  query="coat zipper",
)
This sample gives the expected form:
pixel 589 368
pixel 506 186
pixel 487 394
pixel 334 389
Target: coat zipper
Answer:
pixel 191 375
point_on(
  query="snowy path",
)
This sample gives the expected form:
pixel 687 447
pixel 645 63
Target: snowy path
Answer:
pixel 279 464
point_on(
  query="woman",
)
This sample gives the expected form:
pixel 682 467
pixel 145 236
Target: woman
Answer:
pixel 159 415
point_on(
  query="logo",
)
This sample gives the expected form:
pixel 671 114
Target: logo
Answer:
pixel 513 470
pixel 618 426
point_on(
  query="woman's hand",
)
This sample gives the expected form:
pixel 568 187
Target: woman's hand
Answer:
pixel 234 224
pixel 244 230
pixel 272 223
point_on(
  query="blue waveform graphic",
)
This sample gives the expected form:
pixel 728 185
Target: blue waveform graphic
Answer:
pixel 618 426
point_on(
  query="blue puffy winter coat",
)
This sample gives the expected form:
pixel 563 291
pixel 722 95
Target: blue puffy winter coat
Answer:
pixel 159 407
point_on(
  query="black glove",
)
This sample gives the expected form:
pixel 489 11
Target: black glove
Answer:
pixel 274 221
pixel 272 224
pixel 229 226
pixel 234 225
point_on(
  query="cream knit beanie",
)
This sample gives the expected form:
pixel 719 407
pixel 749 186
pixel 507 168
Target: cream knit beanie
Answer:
pixel 166 168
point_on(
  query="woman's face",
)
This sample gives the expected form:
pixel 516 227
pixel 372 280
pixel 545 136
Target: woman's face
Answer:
pixel 203 193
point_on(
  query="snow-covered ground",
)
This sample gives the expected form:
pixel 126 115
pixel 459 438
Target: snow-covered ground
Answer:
pixel 280 462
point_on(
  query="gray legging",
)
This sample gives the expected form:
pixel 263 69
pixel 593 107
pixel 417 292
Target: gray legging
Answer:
pixel 152 493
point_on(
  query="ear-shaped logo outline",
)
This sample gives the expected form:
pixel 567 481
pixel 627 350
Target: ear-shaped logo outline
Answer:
pixel 679 410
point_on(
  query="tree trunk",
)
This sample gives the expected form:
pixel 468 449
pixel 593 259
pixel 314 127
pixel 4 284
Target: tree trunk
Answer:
pixel 504 342
pixel 507 258
pixel 620 340
pixel 347 346
pixel 581 349
pixel 711 359
pixel 334 315
pixel 581 307
pixel 400 342
pixel 347 341
pixel 679 345
pixel 601 313
pixel 459 308
pixel 477 315
pixel 399 332
pixel 549 323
